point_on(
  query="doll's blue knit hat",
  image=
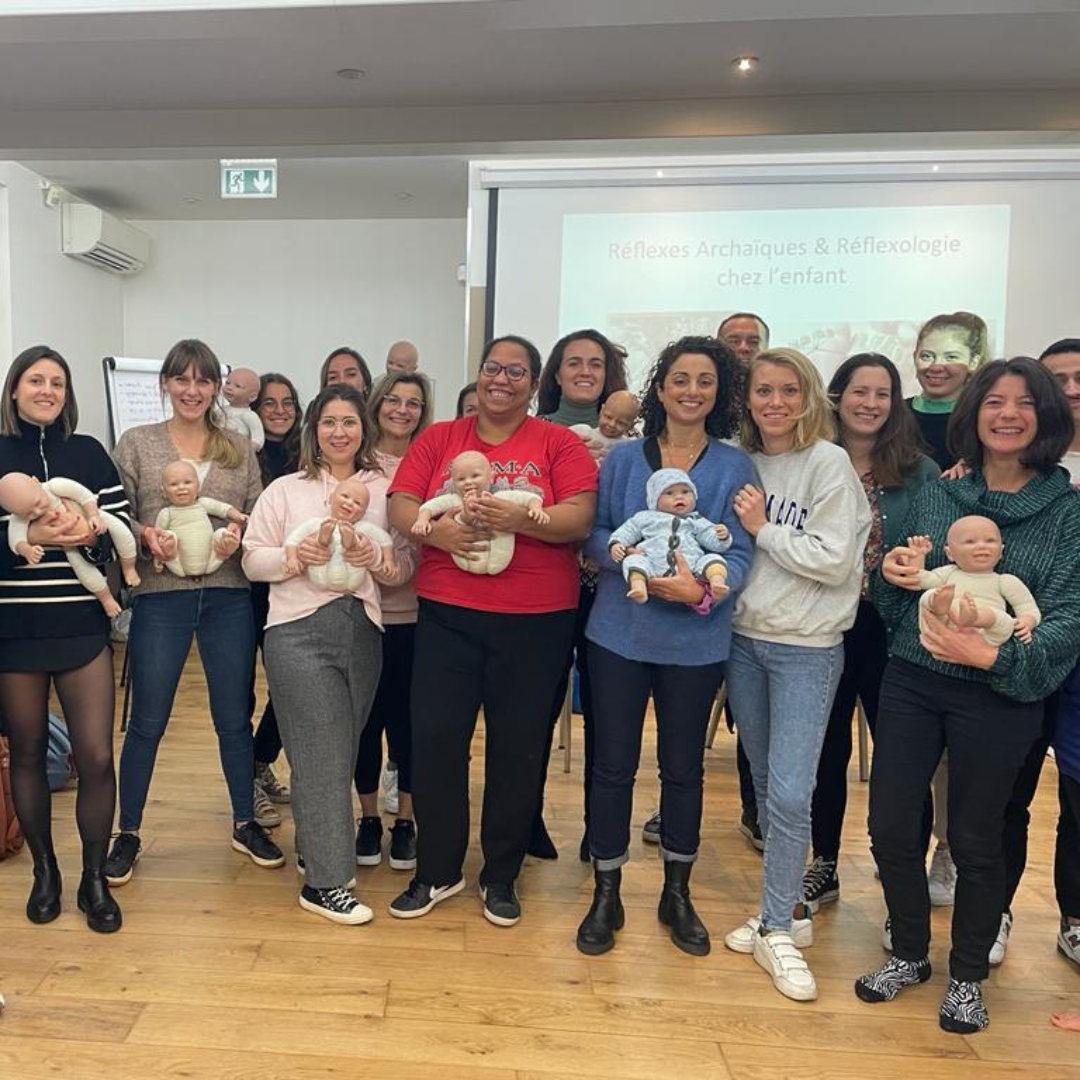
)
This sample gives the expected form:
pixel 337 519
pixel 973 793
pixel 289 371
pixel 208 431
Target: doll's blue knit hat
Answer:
pixel 661 480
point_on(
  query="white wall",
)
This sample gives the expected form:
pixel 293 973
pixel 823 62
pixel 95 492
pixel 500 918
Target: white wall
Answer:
pixel 279 295
pixel 48 298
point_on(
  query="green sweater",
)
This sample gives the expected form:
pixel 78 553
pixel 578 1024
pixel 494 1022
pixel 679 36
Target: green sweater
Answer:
pixel 1040 526
pixel 894 503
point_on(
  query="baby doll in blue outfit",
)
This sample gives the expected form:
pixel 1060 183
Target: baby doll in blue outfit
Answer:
pixel 670 525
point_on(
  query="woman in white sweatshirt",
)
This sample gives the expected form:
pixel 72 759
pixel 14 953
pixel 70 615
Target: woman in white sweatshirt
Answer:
pixel 810 520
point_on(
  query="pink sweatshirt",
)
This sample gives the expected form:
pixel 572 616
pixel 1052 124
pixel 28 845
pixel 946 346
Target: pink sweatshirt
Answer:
pixel 288 502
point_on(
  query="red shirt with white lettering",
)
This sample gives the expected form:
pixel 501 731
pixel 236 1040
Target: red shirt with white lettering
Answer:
pixel 539 456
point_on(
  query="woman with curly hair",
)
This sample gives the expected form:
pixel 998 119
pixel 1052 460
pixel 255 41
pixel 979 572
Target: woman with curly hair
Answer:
pixel 673 647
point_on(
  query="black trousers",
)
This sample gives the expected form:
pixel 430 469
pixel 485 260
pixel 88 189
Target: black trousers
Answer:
pixel 921 714
pixel 389 713
pixel 682 698
pixel 508 664
pixel 865 655
pixel 1067 856
pixel 267 737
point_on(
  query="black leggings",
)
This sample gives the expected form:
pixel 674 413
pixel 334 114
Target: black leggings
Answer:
pixel 267 737
pixel 87 696
pixel 389 713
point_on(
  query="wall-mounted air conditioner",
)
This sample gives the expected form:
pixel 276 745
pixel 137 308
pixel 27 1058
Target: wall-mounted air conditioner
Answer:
pixel 91 235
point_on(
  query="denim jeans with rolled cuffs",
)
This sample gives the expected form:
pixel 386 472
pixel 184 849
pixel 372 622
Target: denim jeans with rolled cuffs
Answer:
pixel 782 695
pixel 162 628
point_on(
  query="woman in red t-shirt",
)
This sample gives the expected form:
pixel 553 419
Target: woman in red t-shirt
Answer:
pixel 497 641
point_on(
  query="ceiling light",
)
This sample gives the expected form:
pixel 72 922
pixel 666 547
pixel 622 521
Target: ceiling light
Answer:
pixel 404 196
pixel 935 168
pixel 350 73
pixel 744 64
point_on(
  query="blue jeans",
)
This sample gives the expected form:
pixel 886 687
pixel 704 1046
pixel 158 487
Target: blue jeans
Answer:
pixel 162 626
pixel 782 695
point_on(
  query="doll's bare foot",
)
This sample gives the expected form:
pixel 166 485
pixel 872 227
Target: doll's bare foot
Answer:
pixel 941 600
pixel 159 567
pixel 108 602
pixel 326 531
pixel 967 612
pixel 347 535
pixel 639 588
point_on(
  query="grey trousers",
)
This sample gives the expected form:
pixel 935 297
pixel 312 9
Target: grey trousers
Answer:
pixel 322 671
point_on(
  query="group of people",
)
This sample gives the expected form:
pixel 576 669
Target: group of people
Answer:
pixel 763 530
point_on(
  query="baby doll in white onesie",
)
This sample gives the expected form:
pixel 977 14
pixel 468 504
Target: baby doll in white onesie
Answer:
pixel 338 532
pixel 670 524
pixel 470 474
pixel 617 417
pixel 187 518
pixel 968 592
pixel 239 393
pixel 28 499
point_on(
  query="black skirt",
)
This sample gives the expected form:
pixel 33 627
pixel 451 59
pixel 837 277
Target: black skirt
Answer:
pixel 51 654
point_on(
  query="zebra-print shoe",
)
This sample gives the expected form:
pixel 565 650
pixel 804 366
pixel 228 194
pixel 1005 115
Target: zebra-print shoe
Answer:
pixel 963 1010
pixel 889 979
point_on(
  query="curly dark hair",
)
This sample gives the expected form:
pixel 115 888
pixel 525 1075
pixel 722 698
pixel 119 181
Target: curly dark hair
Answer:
pixel 723 420
pixel 550 393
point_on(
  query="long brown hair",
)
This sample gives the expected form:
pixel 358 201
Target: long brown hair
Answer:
pixel 219 447
pixel 310 459
pixel 898 445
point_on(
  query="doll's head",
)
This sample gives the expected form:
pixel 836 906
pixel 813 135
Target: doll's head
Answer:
pixel 180 483
pixel 470 473
pixel 23 496
pixel 241 387
pixel 617 414
pixel 402 359
pixel 671 491
pixel 974 544
pixel 350 501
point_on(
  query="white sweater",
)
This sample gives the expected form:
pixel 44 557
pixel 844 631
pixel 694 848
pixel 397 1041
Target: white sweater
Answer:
pixel 805 580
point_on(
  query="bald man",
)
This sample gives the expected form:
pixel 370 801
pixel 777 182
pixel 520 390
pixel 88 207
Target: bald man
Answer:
pixel 402 359
pixel 745 334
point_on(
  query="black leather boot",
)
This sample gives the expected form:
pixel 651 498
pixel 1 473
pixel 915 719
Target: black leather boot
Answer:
pixel 44 903
pixel 596 934
pixel 687 930
pixel 102 911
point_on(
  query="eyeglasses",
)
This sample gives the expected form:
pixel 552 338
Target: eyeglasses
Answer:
pixel 493 369
pixel 346 423
pixel 410 403
pixel 285 404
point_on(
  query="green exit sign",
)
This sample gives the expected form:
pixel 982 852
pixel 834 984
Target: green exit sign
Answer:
pixel 249 178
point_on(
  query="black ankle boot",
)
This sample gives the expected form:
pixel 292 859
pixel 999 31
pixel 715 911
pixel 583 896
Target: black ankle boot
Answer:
pixel 44 903
pixel 687 930
pixel 596 934
pixel 102 911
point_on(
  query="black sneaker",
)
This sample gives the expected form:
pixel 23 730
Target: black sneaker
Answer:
pixel 419 898
pixel 403 845
pixel 501 905
pixel 963 1010
pixel 337 905
pixel 650 831
pixel 369 841
pixel 301 869
pixel 750 828
pixel 820 885
pixel 121 860
pixel 251 839
pixel 892 977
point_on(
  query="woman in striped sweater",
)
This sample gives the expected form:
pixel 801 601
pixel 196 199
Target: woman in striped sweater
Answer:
pixel 947 689
pixel 53 631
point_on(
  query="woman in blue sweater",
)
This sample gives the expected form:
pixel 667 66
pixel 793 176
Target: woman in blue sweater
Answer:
pixel 674 646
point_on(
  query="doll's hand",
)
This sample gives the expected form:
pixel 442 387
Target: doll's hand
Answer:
pixel 617 552
pixel 750 508
pixel 422 524
pixel 32 553
pixel 312 553
pixel 921 545
pixel 538 514
pixel 238 517
pixel 722 531
pixel 1022 628
pixel 292 566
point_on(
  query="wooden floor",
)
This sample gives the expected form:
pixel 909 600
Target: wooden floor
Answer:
pixel 217 972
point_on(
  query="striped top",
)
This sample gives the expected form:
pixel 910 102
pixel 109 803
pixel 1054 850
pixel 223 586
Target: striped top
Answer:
pixel 46 601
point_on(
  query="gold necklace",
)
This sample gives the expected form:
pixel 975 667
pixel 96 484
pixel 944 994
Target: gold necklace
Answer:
pixel 692 449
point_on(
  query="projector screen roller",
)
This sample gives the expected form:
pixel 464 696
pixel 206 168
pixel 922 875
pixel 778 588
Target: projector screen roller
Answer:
pixel 834 269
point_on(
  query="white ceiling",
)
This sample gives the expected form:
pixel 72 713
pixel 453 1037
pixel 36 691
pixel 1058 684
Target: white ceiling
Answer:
pixel 132 110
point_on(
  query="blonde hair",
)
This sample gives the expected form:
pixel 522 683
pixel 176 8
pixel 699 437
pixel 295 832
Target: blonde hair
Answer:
pixel 220 447
pixel 814 423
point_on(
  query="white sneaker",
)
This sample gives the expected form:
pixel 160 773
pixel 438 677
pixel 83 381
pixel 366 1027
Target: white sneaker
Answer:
pixel 1068 941
pixel 389 783
pixel 886 935
pixel 1001 942
pixel 941 879
pixel 741 939
pixel 777 954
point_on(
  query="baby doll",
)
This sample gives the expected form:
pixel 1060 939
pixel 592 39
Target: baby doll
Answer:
pixel 470 473
pixel 240 391
pixel 670 524
pixel 338 532
pixel 187 518
pixel 973 546
pixel 28 499
pixel 617 417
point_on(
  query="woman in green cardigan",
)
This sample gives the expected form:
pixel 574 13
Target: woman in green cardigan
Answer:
pixel 947 688
pixel 883 442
